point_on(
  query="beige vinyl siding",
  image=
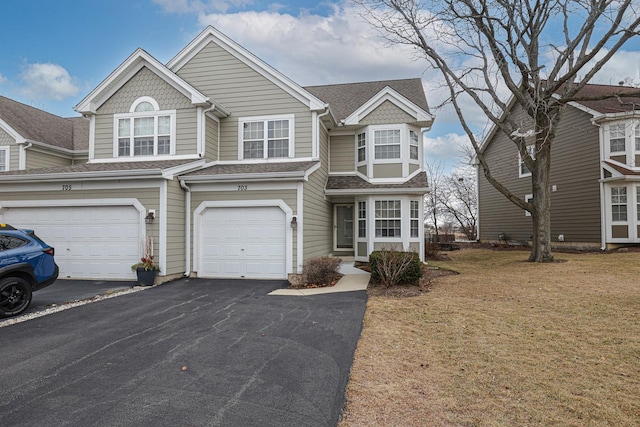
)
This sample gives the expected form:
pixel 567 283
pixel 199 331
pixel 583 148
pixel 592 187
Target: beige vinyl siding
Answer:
pixel 145 83
pixel 317 212
pixel 38 159
pixel 387 113
pixel 175 215
pixel 413 167
pixel 575 206
pixel 211 140
pixel 342 153
pixel 78 160
pixel 245 93
pixel 6 139
pixel 288 196
pixel 390 170
pixel 14 150
pixel 363 170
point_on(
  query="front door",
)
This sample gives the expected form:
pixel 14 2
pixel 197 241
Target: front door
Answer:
pixel 343 227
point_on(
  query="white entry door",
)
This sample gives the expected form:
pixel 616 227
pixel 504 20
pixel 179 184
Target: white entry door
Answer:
pixel 91 242
pixel 246 242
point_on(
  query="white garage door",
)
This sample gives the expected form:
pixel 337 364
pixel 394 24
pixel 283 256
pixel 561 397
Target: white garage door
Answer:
pixel 90 242
pixel 245 242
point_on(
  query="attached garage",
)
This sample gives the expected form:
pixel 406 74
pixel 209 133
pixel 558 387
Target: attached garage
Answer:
pixel 91 242
pixel 243 242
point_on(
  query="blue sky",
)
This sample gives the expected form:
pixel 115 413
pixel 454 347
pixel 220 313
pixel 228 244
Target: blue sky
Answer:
pixel 54 52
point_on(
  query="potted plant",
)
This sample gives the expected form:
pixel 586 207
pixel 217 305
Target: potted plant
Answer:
pixel 146 269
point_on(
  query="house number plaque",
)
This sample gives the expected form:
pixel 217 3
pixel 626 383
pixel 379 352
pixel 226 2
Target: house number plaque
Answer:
pixel 66 187
pixel 242 188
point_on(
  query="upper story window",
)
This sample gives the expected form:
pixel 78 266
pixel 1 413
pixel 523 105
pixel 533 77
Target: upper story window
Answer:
pixel 387 144
pixel 4 159
pixel 413 145
pixel 523 170
pixel 637 136
pixel 617 137
pixel 362 147
pixel 266 137
pixel 145 130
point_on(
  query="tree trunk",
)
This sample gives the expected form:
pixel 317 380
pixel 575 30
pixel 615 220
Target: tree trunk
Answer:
pixel 541 214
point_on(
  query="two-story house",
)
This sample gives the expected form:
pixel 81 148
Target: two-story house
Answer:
pixel 232 168
pixel 595 183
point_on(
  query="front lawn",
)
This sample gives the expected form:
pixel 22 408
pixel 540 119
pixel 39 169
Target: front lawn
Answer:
pixel 504 343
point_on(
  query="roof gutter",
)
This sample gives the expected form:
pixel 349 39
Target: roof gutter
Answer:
pixel 79 176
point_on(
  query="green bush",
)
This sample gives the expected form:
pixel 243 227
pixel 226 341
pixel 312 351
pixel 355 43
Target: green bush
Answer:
pixel 321 271
pixel 391 267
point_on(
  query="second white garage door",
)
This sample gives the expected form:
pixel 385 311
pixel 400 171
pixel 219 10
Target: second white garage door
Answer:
pixel 247 242
pixel 91 242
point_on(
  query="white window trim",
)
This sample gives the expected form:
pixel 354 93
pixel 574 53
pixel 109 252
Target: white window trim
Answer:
pixel 528 198
pixel 366 149
pixel 265 119
pixel 403 136
pixel 7 157
pixel 626 137
pixel 627 203
pixel 403 204
pixel 532 152
pixel 131 115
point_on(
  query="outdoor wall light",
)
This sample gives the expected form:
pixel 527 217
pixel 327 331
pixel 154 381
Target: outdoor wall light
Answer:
pixel 294 222
pixel 150 217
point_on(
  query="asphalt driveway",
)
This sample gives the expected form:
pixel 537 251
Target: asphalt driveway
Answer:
pixel 187 353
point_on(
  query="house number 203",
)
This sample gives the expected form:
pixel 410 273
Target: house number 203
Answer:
pixel 242 188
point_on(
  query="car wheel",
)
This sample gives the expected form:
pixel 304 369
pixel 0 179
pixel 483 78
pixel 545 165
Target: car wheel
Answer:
pixel 15 296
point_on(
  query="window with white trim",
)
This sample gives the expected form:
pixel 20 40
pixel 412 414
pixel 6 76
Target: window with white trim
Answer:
pixel 386 144
pixel 637 136
pixel 638 202
pixel 617 137
pixel 618 203
pixel 362 219
pixel 264 138
pixel 528 198
pixel 414 218
pixel 4 159
pixel 388 218
pixel 145 130
pixel 523 170
pixel 362 147
pixel 413 145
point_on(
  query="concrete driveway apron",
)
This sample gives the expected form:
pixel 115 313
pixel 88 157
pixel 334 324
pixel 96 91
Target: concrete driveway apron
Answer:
pixel 187 353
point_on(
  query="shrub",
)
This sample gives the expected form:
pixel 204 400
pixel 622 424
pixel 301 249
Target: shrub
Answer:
pixel 321 271
pixel 431 250
pixel 391 267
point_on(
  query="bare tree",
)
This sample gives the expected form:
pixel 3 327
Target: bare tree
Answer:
pixel 433 207
pixel 540 53
pixel 458 197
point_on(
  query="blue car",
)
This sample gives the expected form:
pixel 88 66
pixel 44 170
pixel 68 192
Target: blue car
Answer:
pixel 26 265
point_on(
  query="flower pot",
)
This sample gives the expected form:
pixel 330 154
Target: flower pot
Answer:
pixel 146 277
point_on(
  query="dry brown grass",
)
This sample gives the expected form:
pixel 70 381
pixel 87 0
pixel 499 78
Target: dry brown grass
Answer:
pixel 505 343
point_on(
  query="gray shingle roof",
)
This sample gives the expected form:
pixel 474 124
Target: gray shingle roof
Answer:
pixel 253 168
pixel 100 167
pixel 617 104
pixel 346 98
pixel 353 182
pixel 38 125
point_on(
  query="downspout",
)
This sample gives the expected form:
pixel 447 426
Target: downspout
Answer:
pixel 22 160
pixel 204 130
pixel 187 189
pixel 319 117
pixel 603 208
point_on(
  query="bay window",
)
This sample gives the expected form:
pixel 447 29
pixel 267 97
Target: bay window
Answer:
pixel 617 137
pixel 619 203
pixel 387 144
pixel 4 159
pixel 388 218
pixel 413 145
pixel 362 219
pixel 414 214
pixel 362 147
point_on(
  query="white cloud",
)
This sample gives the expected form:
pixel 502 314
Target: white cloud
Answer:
pixel 3 79
pixel 47 81
pixel 448 149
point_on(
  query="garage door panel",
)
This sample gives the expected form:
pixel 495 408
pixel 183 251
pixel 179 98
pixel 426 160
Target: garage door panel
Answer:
pixel 243 242
pixel 94 242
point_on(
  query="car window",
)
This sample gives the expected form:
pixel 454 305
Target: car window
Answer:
pixel 10 242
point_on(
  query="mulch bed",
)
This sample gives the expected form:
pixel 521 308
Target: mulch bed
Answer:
pixel 403 291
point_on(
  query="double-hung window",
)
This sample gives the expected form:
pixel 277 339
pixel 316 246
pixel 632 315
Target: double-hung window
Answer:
pixel 637 136
pixel 619 203
pixel 263 138
pixel 362 219
pixel 523 170
pixel 4 159
pixel 414 218
pixel 387 144
pixel 362 147
pixel 413 145
pixel 388 218
pixel 145 131
pixel 617 137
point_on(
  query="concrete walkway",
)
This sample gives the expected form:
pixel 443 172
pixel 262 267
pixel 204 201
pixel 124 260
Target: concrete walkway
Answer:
pixel 354 279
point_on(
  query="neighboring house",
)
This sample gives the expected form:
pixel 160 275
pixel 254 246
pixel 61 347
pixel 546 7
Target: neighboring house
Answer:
pixel 595 176
pixel 235 170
